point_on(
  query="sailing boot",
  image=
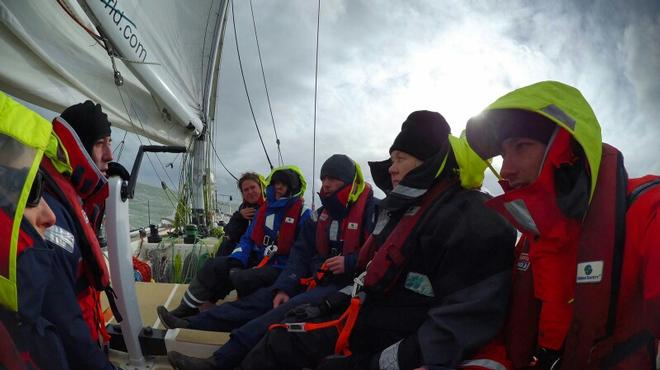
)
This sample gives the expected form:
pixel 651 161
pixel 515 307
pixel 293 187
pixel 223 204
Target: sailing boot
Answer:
pixel 183 310
pixel 170 321
pixel 182 362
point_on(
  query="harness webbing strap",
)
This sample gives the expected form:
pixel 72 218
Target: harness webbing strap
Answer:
pixel 344 325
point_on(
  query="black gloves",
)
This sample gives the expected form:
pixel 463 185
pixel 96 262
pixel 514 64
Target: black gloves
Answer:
pixel 546 359
pixel 306 312
pixel 116 169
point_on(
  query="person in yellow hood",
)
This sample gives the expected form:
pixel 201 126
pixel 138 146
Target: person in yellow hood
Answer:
pixel 586 281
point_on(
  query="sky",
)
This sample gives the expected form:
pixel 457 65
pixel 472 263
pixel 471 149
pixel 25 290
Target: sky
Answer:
pixel 381 60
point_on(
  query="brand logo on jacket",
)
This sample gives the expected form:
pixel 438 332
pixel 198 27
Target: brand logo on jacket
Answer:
pixel 352 226
pixel 289 220
pixel 523 262
pixel 590 272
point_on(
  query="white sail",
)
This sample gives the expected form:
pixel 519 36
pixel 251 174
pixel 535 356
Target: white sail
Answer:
pixel 168 49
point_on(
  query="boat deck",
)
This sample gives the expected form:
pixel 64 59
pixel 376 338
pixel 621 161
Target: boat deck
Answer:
pixel 190 342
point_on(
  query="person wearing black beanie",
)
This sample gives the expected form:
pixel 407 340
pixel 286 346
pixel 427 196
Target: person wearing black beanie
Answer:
pixel 93 128
pixel 436 271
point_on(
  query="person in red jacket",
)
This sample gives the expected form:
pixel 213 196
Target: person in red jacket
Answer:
pixel 586 289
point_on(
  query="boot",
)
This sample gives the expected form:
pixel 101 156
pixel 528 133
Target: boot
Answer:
pixel 170 321
pixel 182 362
pixel 183 310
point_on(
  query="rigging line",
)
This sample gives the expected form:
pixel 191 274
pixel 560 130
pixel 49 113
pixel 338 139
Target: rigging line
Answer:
pixel 263 75
pixel 240 64
pixel 149 140
pixel 316 78
pixel 120 147
pixel 75 19
pixel 138 137
pixel 220 160
pixel 206 31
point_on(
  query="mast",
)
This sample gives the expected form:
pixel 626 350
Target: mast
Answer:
pixel 202 185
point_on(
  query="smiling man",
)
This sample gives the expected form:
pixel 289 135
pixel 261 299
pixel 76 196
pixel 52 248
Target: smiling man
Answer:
pixel 587 280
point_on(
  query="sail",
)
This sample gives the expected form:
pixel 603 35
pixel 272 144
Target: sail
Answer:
pixel 167 58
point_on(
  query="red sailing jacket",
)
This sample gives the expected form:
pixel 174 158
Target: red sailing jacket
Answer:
pixel 616 320
pixel 286 233
pixel 352 230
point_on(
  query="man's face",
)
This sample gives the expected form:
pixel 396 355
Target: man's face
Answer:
pixel 329 185
pixel 522 161
pixel 41 217
pixel 102 154
pixel 251 191
pixel 280 189
pixel 402 163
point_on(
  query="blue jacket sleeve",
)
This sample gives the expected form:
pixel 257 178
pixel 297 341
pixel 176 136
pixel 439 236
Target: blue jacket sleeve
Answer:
pixel 61 308
pixel 244 247
pixel 300 258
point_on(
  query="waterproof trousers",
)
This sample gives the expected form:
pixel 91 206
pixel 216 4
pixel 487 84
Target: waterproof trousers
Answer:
pixel 259 304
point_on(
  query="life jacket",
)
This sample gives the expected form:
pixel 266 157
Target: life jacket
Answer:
pixel 83 194
pixel 352 230
pixel 385 265
pixel 590 342
pixel 352 234
pixel 286 233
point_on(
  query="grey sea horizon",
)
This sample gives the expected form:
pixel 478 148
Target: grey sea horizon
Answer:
pixel 151 204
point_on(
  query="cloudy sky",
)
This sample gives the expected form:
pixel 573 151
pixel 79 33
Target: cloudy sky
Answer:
pixel 381 60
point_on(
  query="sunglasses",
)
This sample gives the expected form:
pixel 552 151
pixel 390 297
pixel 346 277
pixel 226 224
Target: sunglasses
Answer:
pixel 36 190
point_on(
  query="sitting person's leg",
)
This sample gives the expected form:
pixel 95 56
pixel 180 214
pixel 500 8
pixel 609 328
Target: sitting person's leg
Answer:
pixel 210 284
pixel 247 281
pixel 231 315
pixel 243 339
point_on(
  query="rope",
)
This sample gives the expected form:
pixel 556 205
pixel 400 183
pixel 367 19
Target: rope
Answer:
pixel 316 78
pixel 240 64
pixel 140 140
pixel 120 146
pixel 89 32
pixel 220 160
pixel 263 75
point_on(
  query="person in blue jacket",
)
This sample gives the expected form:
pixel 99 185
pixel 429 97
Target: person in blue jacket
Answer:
pixel 263 250
pixel 324 257
pixel 73 298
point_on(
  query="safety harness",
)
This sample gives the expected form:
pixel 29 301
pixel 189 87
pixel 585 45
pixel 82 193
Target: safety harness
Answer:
pixel 388 257
pixel 352 234
pixel 286 233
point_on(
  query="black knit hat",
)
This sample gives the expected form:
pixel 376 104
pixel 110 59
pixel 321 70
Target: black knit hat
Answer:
pixel 423 134
pixel 88 121
pixel 340 167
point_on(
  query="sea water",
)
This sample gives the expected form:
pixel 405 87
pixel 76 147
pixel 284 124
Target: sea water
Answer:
pixel 152 203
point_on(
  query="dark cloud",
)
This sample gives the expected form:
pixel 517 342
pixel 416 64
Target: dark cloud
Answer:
pixel 378 61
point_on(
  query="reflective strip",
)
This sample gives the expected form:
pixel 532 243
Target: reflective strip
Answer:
pixel 559 115
pixel 187 302
pixel 270 221
pixel 389 359
pixel 486 364
pixel 60 237
pixel 189 294
pixel 383 219
pixel 334 231
pixel 408 191
pixel 520 213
